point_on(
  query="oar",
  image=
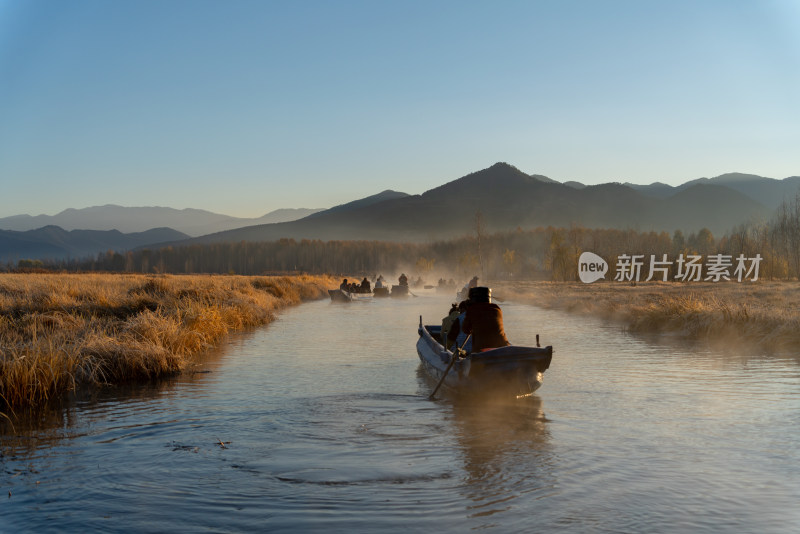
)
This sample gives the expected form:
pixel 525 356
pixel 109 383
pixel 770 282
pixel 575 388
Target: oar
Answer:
pixel 452 361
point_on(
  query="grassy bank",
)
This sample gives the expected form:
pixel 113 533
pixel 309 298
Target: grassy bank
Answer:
pixel 765 315
pixel 59 331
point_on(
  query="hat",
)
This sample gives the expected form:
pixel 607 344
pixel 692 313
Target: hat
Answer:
pixel 480 294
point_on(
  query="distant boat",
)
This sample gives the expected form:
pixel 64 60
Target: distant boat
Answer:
pixel 446 288
pixel 380 292
pixel 512 370
pixel 399 291
pixel 339 295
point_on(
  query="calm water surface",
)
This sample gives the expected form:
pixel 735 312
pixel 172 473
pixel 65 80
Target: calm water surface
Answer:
pixel 320 422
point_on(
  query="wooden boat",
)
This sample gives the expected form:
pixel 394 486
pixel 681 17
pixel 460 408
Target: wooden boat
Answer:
pixel 511 371
pixel 399 291
pixel 339 295
pixel 380 292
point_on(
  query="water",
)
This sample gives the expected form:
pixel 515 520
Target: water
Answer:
pixel 320 422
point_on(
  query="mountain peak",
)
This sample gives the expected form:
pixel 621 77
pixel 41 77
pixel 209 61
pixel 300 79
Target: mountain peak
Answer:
pixel 504 166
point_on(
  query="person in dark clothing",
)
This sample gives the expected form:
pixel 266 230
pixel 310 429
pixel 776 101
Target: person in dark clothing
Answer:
pixel 456 335
pixel 484 320
pixel 447 323
pixel 344 286
pixel 403 280
pixel 365 286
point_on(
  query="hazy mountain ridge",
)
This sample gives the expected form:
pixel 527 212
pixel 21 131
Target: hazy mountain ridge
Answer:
pixel 770 192
pixel 53 242
pixel 362 202
pixel 508 198
pixel 193 222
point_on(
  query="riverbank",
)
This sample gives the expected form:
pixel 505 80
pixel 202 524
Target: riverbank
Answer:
pixel 765 315
pixel 61 331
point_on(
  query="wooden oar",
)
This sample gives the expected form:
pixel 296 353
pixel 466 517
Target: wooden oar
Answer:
pixel 452 361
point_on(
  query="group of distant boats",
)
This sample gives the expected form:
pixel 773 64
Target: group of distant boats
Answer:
pixel 350 291
pixel 343 295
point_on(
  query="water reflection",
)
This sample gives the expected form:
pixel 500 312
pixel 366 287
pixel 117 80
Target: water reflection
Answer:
pixel 503 444
pixel 506 451
pixel 29 430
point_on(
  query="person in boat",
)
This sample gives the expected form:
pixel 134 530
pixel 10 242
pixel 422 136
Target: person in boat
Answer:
pixel 456 337
pixel 447 322
pixel 344 285
pixel 484 320
pixel 365 286
pixel 403 280
pixel 379 282
pixel 464 293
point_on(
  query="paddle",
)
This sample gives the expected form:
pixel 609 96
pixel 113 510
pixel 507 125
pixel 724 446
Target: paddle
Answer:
pixel 452 361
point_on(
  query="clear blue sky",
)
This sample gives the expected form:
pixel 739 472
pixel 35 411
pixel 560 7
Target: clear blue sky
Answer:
pixel 244 107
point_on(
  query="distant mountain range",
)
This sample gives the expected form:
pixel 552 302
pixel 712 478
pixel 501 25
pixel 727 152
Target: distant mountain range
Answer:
pixel 52 242
pixel 506 198
pixel 767 191
pixel 139 219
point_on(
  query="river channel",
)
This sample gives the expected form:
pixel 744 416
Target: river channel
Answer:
pixel 321 422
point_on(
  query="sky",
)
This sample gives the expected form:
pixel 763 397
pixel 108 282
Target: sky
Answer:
pixel 244 107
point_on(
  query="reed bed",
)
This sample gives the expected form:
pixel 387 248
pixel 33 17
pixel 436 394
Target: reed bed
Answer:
pixel 761 315
pixel 61 331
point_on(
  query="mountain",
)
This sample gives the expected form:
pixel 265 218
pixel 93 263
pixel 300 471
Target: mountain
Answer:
pixel 364 202
pixel 277 216
pixel 52 242
pixel 575 185
pixel 656 189
pixel 193 222
pixel 767 191
pixel 505 197
pixel 508 198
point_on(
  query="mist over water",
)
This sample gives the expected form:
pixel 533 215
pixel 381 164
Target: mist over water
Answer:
pixel 320 421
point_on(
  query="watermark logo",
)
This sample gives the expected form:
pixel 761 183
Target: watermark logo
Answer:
pixel 686 268
pixel 591 267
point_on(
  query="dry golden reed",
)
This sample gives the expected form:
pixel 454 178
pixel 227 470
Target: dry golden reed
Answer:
pixel 58 331
pixel 761 315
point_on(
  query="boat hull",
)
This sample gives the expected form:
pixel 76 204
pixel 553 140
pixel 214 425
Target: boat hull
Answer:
pixel 508 371
pixel 400 291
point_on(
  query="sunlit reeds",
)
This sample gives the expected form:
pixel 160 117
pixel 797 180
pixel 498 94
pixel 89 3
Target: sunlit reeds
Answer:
pixel 763 315
pixel 58 331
